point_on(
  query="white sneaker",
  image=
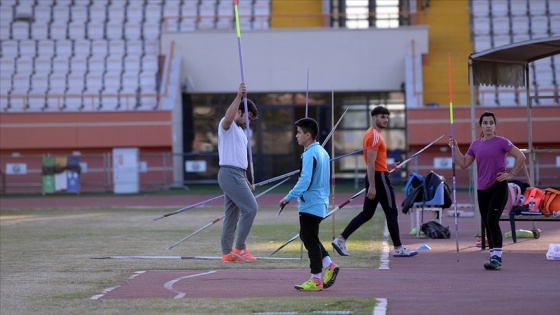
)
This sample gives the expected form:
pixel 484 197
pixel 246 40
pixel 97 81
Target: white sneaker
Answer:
pixel 404 252
pixel 340 246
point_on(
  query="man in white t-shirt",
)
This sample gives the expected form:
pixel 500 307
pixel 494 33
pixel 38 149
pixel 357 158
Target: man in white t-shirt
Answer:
pixel 239 202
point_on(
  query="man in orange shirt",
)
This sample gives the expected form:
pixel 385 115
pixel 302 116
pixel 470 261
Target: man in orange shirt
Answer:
pixel 378 188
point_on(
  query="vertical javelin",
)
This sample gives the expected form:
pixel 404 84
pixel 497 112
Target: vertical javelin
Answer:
pixel 453 152
pixel 306 115
pixel 307 94
pixel 332 170
pixel 245 96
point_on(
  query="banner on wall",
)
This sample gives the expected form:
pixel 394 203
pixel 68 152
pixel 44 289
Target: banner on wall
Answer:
pixel 16 168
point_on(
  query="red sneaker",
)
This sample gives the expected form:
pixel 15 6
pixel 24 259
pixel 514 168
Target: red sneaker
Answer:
pixel 243 255
pixel 227 258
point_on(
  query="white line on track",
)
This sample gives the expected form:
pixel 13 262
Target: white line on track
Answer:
pixel 169 284
pixel 384 258
pixel 98 296
pixel 381 307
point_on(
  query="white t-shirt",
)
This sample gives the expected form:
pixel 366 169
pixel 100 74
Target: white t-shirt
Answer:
pixel 232 146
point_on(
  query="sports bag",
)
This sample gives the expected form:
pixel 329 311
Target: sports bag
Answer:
pixel 534 192
pixel 514 197
pixel 414 181
pixel 433 229
pixel 550 202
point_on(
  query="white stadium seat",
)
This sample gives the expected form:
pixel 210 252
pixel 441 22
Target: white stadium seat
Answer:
pixel 20 30
pixel 95 30
pixel 39 30
pixel 10 48
pixel 43 65
pixel 61 65
pixel 64 48
pixel 58 31
pixel 99 47
pixel 79 14
pixel 96 64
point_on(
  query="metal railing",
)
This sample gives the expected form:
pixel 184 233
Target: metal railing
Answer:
pixel 23 173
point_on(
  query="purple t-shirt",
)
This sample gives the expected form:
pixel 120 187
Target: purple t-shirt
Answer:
pixel 490 156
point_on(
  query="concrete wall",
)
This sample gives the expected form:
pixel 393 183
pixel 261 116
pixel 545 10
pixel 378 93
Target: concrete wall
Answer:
pixel 277 60
pixel 87 130
pixel 430 123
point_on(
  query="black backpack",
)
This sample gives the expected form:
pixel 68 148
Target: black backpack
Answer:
pixel 433 229
pixel 426 192
pixel 414 181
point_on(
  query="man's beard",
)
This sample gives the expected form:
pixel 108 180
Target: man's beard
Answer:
pixel 240 124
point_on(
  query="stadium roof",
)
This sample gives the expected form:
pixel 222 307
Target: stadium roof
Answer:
pixel 505 65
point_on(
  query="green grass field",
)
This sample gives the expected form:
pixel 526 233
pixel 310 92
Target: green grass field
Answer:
pixel 46 265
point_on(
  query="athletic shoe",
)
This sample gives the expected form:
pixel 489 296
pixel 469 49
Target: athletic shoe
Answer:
pixel 243 255
pixel 227 258
pixel 313 284
pixel 495 263
pixel 340 246
pixel 479 243
pixel 404 252
pixel 330 275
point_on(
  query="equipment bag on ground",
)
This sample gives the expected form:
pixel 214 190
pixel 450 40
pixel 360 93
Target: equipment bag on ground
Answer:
pixel 433 229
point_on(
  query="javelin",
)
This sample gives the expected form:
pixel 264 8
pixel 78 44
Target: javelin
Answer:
pixel 322 144
pixel 183 257
pixel 415 154
pixel 263 182
pixel 333 179
pixel 453 152
pixel 331 160
pixel 218 219
pixel 257 184
pixel 288 175
pixel 328 215
pixel 307 94
pixel 357 194
pixel 245 98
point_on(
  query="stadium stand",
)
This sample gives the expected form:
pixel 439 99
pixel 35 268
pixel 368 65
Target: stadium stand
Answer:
pixel 98 55
pixel 501 22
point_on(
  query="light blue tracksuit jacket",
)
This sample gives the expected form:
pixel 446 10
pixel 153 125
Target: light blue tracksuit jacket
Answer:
pixel 312 189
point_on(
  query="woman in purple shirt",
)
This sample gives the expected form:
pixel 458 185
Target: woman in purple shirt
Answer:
pixel 490 153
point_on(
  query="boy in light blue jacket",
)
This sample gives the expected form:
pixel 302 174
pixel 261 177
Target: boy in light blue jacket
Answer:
pixel 312 193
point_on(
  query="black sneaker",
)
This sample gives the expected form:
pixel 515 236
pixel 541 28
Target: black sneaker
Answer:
pixel 495 263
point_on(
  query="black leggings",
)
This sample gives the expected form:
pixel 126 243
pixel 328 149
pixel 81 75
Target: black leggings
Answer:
pixel 491 203
pixel 386 197
pixel 309 235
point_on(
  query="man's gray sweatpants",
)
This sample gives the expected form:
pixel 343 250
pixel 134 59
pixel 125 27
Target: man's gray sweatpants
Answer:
pixel 240 207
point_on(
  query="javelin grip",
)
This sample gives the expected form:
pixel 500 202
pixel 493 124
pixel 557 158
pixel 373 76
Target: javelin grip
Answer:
pixel 281 208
